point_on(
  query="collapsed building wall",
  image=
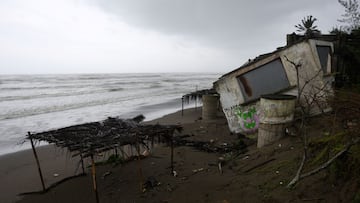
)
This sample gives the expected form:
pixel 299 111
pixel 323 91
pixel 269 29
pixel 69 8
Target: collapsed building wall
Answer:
pixel 241 89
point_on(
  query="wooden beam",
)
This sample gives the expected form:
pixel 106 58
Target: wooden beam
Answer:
pixel 93 172
pixel 141 176
pixel 82 163
pixel 37 162
pixel 172 154
pixel 182 106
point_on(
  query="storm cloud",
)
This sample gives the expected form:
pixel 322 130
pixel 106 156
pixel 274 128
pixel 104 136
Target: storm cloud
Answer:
pixel 148 36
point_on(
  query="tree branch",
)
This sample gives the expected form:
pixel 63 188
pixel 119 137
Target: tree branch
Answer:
pixel 323 166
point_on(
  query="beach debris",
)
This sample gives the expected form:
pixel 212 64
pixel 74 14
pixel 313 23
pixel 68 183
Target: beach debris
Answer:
pixel 350 123
pixel 184 178
pixel 259 165
pixel 146 153
pixel 106 174
pixel 277 172
pixel 169 188
pixel 221 160
pixel 220 168
pixel 224 144
pixel 291 131
pixel 150 183
pixel 174 173
pixel 198 170
pixel 246 157
pixel 209 147
pixel 281 183
pixel 55 175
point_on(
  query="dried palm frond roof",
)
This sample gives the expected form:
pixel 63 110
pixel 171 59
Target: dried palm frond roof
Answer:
pixel 95 137
pixel 197 95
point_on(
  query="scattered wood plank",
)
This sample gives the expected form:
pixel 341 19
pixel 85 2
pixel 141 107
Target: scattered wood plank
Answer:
pixel 259 165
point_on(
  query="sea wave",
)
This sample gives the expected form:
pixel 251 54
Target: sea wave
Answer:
pixel 43 102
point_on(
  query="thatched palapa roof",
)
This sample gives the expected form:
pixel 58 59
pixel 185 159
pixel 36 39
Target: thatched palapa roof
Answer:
pixel 95 137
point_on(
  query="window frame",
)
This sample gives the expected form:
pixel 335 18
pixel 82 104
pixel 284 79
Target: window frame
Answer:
pixel 246 89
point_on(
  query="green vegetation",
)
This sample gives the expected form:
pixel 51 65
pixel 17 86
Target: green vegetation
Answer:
pixel 357 197
pixel 351 17
pixel 307 26
pixel 115 159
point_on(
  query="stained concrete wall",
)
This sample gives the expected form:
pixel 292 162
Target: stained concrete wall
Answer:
pixel 305 53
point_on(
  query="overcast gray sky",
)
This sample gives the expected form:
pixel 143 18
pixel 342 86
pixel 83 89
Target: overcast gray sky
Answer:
pixel 120 36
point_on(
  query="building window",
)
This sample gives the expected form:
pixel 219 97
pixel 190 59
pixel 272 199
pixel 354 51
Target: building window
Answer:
pixel 324 55
pixel 266 79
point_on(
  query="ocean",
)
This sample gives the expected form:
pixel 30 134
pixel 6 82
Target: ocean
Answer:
pixel 36 103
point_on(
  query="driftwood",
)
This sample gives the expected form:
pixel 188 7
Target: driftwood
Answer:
pixel 298 173
pixel 259 165
pixel 53 185
pixel 38 164
pixel 324 165
pixel 208 146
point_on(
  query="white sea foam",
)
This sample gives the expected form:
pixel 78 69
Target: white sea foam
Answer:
pixel 42 102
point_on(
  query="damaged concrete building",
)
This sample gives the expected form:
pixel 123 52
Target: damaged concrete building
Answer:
pixel 276 73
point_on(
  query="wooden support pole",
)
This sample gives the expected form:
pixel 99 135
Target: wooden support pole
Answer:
pixel 82 163
pixel 182 106
pixel 195 103
pixel 123 153
pixel 141 181
pixel 116 152
pixel 93 172
pixel 196 97
pixel 37 162
pixel 172 154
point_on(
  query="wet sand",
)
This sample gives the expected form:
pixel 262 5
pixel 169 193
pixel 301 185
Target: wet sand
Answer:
pixel 257 175
pixel 19 173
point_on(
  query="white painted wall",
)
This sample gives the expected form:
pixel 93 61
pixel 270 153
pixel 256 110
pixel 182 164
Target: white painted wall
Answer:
pixel 304 53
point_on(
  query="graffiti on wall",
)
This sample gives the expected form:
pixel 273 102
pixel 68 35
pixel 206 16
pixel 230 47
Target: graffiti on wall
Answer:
pixel 248 119
pixel 243 119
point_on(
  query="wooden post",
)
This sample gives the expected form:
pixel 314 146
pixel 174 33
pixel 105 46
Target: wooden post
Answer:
pixel 182 106
pixel 93 172
pixel 196 97
pixel 172 154
pixel 116 152
pixel 37 162
pixel 195 103
pixel 141 182
pixel 82 163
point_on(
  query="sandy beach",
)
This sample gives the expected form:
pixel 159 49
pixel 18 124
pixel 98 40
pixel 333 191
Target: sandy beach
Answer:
pixel 250 176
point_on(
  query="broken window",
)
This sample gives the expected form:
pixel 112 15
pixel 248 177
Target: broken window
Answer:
pixel 324 55
pixel 266 79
